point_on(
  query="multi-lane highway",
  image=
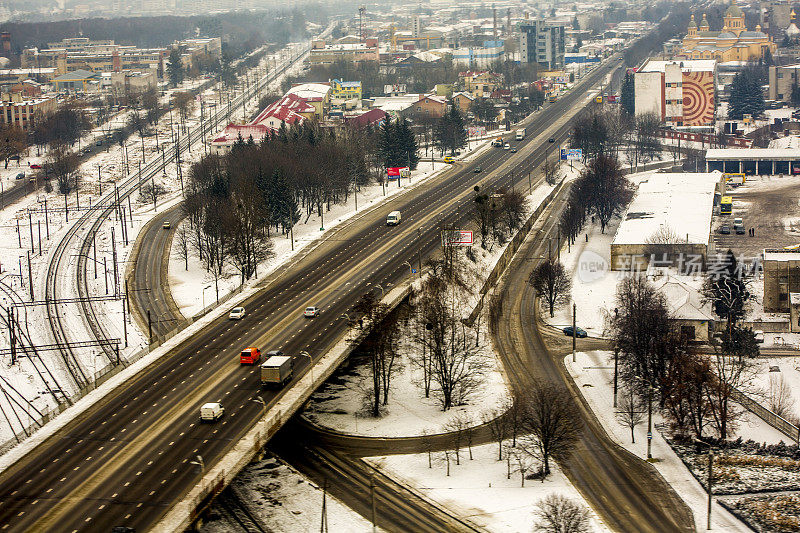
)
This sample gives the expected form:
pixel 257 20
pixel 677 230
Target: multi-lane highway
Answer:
pixel 129 457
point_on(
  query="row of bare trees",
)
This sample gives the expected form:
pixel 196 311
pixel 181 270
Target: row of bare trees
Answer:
pixel 498 214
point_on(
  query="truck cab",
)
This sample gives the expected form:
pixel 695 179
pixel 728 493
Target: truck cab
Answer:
pixel 250 356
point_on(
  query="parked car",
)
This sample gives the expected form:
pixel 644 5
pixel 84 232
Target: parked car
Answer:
pixel 578 332
pixel 21 176
pixel 725 229
pixel 311 312
pixel 477 170
pixel 739 230
pixel 237 313
pixel 449 159
pixel 36 167
pixel 759 335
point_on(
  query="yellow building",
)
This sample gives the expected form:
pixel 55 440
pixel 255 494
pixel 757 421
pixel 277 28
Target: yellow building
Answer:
pixel 733 43
pixel 346 90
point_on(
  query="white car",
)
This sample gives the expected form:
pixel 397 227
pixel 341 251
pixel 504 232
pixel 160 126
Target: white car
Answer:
pixel 237 313
pixel 311 312
pixel 506 146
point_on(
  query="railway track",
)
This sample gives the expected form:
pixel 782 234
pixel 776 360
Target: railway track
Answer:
pixel 90 223
pixel 236 512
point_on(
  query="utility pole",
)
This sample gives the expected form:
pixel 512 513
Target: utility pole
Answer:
pixel 105 273
pixel 372 498
pixel 710 479
pixel 616 359
pixel 574 311
pixel 124 318
pixel 30 276
pixel 30 227
pixel 46 219
pixel 19 235
pixel 649 421
pixel 39 229
pixel 94 252
pixel 114 258
pixel 323 525
pixel 149 328
pixel 11 335
pixel 99 182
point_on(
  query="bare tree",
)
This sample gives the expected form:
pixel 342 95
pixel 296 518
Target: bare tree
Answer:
pixel 496 420
pixel 61 164
pixel 553 421
pixel 455 427
pixel 514 208
pixel 631 411
pixel 552 175
pixel 557 514
pixel 605 188
pixel 550 281
pixel 522 462
pixel 648 143
pixel 182 245
pixel 660 245
pixel 779 397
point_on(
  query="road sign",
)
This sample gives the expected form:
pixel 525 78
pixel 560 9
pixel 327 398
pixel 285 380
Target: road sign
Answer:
pixel 413 270
pixel 571 154
pixel 457 238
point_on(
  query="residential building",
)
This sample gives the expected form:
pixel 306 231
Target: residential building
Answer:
pixel 373 117
pixel 429 106
pixel 775 17
pixel 326 54
pixel 690 314
pixel 681 93
pixel 317 95
pixel 480 83
pixel 345 90
pixel 543 43
pixel 133 82
pixel 23 112
pixel 782 81
pixel 463 101
pixel 734 43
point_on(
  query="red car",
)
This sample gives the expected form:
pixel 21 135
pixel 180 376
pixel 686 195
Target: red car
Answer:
pixel 36 167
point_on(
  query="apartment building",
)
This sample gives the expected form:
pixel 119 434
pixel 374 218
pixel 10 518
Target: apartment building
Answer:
pixel 543 43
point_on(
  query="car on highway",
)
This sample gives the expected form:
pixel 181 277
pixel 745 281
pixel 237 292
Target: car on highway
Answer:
pixel 311 311
pixel 36 167
pixel 725 229
pixel 477 170
pixel 211 412
pixel 513 150
pixel 21 176
pixel 250 356
pixel 237 313
pixel 506 146
pixel 449 159
pixel 166 225
pixel 578 332
pixel 739 230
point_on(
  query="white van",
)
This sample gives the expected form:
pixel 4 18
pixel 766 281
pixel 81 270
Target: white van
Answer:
pixel 393 219
pixel 211 412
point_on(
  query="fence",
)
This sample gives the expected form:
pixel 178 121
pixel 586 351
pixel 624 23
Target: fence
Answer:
pixel 705 138
pixel 778 422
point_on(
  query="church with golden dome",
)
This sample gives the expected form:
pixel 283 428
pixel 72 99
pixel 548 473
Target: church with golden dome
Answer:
pixel 733 43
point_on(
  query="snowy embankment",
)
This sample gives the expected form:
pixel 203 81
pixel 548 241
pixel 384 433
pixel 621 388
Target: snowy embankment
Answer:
pixel 593 374
pixel 480 489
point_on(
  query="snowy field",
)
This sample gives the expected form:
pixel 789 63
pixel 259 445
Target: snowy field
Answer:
pixel 593 374
pixel 286 502
pixel 480 489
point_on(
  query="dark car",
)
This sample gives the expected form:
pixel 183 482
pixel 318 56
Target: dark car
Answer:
pixel 725 229
pixel 513 150
pixel 273 353
pixel 578 332
pixel 477 170
pixel 739 230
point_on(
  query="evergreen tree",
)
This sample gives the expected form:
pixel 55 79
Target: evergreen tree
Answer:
pixel 459 132
pixel 628 95
pixel 408 145
pixel 747 97
pixel 175 67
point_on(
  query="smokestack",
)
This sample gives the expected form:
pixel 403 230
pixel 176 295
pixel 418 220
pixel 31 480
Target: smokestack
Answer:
pixel 494 22
pixel 508 21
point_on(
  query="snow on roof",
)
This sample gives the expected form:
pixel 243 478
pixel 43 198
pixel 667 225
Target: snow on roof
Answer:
pixel 232 132
pixel 781 255
pixel 396 103
pixel 683 202
pixel 768 154
pixel 687 65
pixel 685 302
pixel 310 91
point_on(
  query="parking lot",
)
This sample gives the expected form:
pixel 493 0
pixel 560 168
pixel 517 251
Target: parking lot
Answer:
pixel 771 206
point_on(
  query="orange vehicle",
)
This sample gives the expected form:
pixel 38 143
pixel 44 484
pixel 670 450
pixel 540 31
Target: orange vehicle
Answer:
pixel 250 356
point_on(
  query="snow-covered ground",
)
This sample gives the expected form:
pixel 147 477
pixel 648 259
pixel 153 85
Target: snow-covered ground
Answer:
pixel 593 374
pixel 479 489
pixel 775 372
pixel 287 502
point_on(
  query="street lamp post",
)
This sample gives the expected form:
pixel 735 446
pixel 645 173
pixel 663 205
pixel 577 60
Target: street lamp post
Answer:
pixel 310 364
pixel 204 295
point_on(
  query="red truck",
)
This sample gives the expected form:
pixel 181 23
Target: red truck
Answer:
pixel 250 356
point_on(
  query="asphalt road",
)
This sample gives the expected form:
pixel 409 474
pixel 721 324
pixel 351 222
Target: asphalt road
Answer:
pixel 148 280
pixel 128 458
pixel 626 492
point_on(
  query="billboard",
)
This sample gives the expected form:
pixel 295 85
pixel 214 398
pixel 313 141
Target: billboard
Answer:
pixel 457 238
pixel 476 131
pixel 393 173
pixel 571 154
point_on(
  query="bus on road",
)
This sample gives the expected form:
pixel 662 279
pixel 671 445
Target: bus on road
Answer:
pixel 726 205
